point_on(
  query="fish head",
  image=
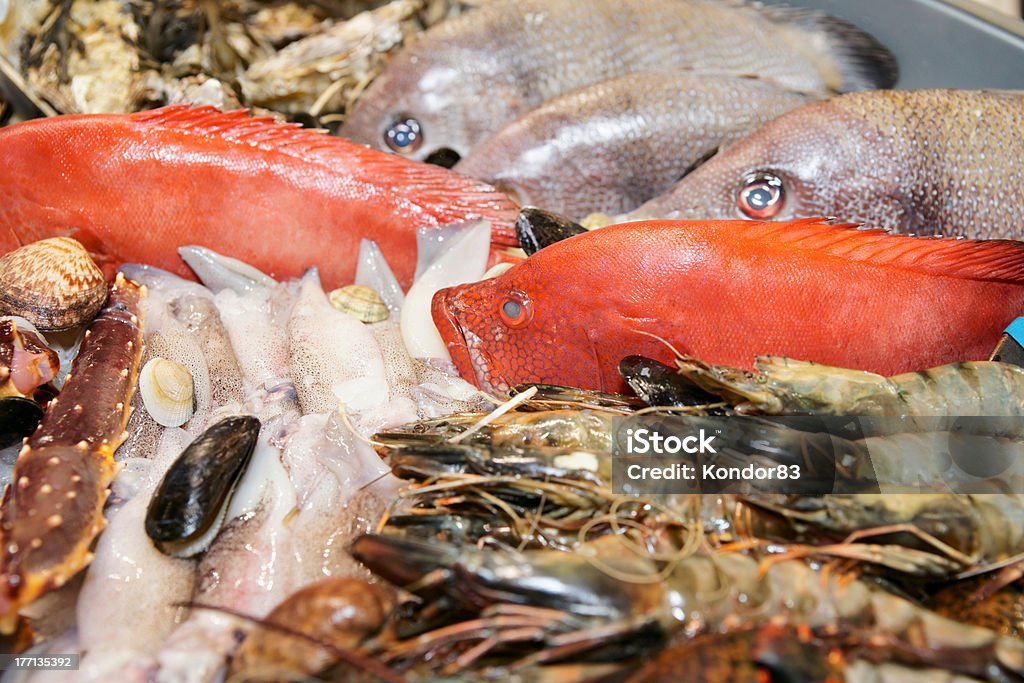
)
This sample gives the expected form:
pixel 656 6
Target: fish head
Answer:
pixel 433 106
pixel 515 328
pixel 817 160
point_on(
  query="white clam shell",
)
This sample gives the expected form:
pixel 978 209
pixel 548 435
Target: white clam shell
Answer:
pixel 167 392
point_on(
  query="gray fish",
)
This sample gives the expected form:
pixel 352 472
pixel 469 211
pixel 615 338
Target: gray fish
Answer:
pixel 926 162
pixel 611 146
pixel 466 77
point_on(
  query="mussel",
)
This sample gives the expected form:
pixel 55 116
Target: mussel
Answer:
pixel 188 507
pixel 537 228
pixel 19 417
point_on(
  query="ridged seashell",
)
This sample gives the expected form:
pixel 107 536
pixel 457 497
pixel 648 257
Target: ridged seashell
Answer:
pixel 361 302
pixel 167 392
pixel 188 508
pixel 53 283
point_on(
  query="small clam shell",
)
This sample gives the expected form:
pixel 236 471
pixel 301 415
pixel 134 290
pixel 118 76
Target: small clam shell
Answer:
pixel 361 302
pixel 167 392
pixel 188 507
pixel 53 283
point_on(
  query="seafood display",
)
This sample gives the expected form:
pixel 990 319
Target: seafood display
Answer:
pixel 540 322
pixel 613 145
pixel 408 410
pixel 467 77
pixel 943 162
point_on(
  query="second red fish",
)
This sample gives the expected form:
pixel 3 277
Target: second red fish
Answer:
pixel 725 291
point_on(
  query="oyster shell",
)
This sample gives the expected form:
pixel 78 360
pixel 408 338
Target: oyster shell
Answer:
pixel 52 283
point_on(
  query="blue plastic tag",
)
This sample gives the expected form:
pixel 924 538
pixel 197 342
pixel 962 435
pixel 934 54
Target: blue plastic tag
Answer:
pixel 1016 331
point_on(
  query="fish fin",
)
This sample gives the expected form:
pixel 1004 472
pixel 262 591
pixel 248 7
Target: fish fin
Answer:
pixel 456 197
pixel 994 260
pixel 863 62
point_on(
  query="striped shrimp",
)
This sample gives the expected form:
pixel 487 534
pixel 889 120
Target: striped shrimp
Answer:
pixel 783 385
pixel 54 509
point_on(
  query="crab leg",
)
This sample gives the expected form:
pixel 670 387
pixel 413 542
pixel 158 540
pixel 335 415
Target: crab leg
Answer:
pixel 53 510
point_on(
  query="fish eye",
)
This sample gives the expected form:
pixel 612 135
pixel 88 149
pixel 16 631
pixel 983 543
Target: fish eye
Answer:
pixel 761 195
pixel 516 311
pixel 404 135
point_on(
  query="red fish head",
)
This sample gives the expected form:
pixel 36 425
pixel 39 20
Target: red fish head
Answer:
pixel 513 329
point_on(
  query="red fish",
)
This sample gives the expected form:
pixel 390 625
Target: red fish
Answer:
pixel 725 291
pixel 134 187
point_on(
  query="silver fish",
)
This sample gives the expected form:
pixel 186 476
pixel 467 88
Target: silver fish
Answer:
pixel 466 77
pixel 611 146
pixel 927 162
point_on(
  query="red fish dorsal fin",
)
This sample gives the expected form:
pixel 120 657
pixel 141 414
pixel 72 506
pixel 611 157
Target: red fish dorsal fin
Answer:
pixel 238 126
pixel 456 194
pixel 999 260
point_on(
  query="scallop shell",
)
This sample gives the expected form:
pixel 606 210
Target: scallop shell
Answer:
pixel 167 392
pixel 361 302
pixel 53 283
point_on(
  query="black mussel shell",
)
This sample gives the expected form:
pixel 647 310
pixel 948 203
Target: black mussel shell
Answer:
pixel 19 417
pixel 661 385
pixel 537 228
pixel 197 486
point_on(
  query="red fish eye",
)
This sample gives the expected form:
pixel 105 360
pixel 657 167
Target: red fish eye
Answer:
pixel 515 312
pixel 404 135
pixel 761 196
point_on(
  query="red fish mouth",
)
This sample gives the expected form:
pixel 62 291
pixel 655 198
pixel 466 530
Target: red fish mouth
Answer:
pixel 441 310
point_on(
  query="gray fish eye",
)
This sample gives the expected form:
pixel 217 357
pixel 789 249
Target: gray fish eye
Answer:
pixel 404 135
pixel 761 196
pixel 512 309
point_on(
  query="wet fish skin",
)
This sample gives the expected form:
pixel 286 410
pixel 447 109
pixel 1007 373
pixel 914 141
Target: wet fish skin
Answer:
pixel 920 162
pixel 726 291
pixel 135 187
pixel 611 146
pixel 466 77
